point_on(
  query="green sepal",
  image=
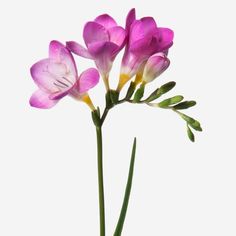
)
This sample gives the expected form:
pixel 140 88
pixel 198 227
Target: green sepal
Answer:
pixel 114 95
pixel 160 91
pixel 96 117
pixel 190 134
pixel 192 122
pixel 130 91
pixel 139 93
pixel 184 105
pixel 109 103
pixel 170 101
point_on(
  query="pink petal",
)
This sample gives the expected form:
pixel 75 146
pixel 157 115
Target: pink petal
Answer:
pixel 51 76
pixel 40 75
pixel 88 79
pixel 104 54
pixel 141 45
pixel 117 35
pixel 106 21
pixel 149 24
pixel 145 27
pixel 94 32
pixel 130 18
pixel 102 49
pixel 55 48
pixel 165 38
pixel 78 49
pixel 40 99
pixel 59 53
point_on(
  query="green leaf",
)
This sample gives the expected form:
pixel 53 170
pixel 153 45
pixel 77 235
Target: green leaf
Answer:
pixel 139 93
pixel 190 134
pixel 184 105
pixel 130 91
pixel 160 91
pixel 170 101
pixel 123 211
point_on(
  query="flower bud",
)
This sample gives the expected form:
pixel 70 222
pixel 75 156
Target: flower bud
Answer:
pixel 155 65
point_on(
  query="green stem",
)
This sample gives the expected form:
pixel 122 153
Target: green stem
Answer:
pixel 100 181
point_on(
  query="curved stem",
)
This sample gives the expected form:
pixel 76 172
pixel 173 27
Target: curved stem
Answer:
pixel 100 181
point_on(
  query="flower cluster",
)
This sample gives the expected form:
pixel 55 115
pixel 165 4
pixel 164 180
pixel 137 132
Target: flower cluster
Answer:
pixel 146 47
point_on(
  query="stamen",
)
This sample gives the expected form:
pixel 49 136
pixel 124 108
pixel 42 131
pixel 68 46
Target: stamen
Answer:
pixel 59 86
pixel 67 80
pixel 62 82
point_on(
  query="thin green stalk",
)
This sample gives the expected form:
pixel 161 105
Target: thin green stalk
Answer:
pixel 100 181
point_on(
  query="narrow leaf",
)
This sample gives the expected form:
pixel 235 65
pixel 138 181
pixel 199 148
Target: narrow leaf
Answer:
pixel 123 211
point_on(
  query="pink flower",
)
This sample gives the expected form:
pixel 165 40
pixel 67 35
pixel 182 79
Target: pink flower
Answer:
pixel 156 65
pixel 104 40
pixel 145 39
pixel 56 77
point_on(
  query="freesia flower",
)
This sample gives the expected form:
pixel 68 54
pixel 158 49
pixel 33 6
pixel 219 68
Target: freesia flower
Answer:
pixel 145 39
pixel 156 65
pixel 104 40
pixel 56 77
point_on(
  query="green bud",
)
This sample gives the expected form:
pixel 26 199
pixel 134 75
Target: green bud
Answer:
pixel 192 122
pixel 160 91
pixel 170 101
pixel 184 105
pixel 130 91
pixel 190 134
pixel 196 125
pixel 167 87
pixel 153 96
pixel 139 93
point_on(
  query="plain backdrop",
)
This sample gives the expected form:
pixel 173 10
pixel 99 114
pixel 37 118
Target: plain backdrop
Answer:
pixel 48 172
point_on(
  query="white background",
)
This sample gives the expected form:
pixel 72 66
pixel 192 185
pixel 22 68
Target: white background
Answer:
pixel 48 175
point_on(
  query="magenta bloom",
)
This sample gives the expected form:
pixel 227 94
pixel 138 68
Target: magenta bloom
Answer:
pixel 145 39
pixel 156 65
pixel 104 40
pixel 56 77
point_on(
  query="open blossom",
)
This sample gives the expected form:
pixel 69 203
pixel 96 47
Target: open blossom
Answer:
pixel 56 77
pixel 145 39
pixel 104 40
pixel 156 65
